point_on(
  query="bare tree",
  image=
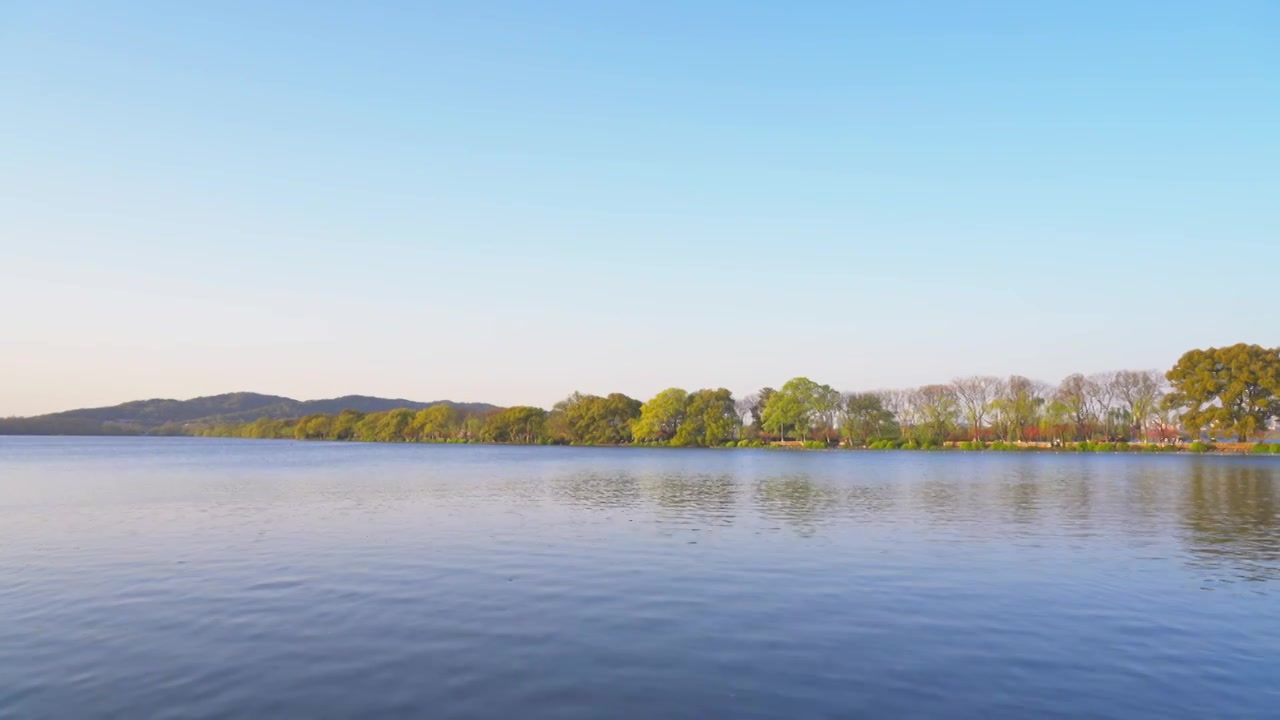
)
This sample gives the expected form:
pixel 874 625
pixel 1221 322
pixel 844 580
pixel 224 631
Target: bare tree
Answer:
pixel 1101 390
pixel 746 408
pixel 1139 392
pixel 1076 393
pixel 976 394
pixel 898 402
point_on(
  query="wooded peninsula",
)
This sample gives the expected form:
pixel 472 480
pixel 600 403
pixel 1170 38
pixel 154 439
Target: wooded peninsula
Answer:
pixel 1229 394
pixel 1226 396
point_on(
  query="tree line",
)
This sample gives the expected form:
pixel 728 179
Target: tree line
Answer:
pixel 1231 392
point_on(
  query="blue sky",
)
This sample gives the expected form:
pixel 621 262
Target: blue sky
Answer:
pixel 508 201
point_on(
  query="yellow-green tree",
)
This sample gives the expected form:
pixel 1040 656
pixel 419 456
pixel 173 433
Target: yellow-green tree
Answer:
pixel 710 419
pixel 791 407
pixel 435 423
pixel 661 417
pixel 521 424
pixel 595 420
pixel 1233 389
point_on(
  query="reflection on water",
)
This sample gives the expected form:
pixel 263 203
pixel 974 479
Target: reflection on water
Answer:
pixel 1227 506
pixel 241 578
pixel 1233 520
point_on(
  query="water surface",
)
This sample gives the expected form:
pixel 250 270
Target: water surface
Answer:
pixel 173 577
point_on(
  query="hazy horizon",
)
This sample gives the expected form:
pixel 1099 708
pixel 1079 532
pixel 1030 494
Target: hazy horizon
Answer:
pixel 504 203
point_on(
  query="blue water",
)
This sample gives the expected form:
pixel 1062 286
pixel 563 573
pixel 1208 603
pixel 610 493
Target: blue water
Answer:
pixel 221 578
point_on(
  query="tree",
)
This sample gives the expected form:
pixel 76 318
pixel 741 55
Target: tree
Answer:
pixel 394 425
pixel 312 427
pixel 976 394
pixel 472 426
pixel 344 424
pixel 1017 407
pixel 791 407
pixel 436 423
pixel 1233 389
pixel 936 409
pixel 557 422
pixel 866 419
pixel 898 402
pixel 1101 390
pixel 660 418
pixel 710 418
pixel 521 424
pixel 1076 393
pixel 366 429
pixel 595 420
pixel 1057 421
pixel 755 404
pixel 826 406
pixel 1139 392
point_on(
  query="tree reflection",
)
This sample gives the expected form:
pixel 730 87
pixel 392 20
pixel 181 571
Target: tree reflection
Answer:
pixel 1230 513
pixel 705 496
pixel 600 491
pixel 798 500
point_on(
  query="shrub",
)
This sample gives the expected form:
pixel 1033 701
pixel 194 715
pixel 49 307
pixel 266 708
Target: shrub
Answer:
pixel 1123 446
pixel 1260 448
pixel 814 445
pixel 1200 447
pixel 1275 449
pixel 1105 447
pixel 909 445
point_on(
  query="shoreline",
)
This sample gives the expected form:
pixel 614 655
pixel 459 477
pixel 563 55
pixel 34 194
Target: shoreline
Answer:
pixel 1083 448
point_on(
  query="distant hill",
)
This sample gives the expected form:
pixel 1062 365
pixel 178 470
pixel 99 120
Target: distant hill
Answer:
pixel 160 415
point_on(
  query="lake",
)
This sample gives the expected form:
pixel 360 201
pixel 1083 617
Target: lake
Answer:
pixel 178 577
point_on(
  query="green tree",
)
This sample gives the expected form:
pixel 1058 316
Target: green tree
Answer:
pixel 521 424
pixel 791 407
pixel 344 424
pixel 366 429
pixel 1017 407
pixel 1233 389
pixel 435 423
pixel 936 409
pixel 710 419
pixel 866 420
pixel 661 417
pixel 395 426
pixel 595 420
pixel 1057 421
pixel 312 427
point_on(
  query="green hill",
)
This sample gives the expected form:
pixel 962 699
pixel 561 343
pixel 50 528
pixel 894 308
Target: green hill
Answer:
pixel 165 416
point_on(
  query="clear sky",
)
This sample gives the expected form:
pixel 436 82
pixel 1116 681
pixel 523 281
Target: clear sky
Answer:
pixel 508 201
